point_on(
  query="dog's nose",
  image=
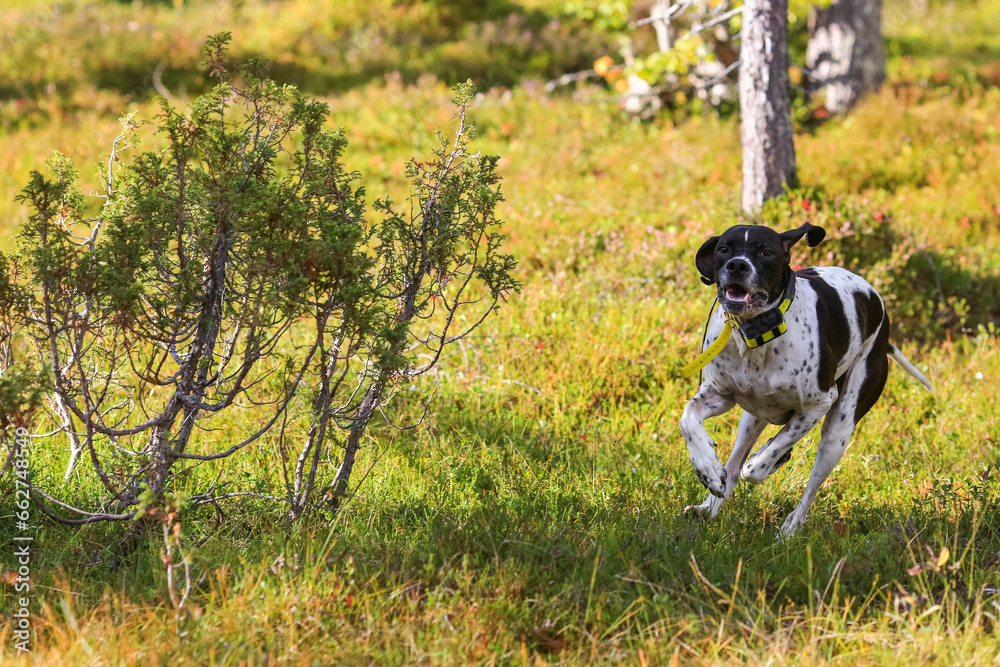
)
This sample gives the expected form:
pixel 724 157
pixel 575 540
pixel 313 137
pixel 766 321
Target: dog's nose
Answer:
pixel 737 266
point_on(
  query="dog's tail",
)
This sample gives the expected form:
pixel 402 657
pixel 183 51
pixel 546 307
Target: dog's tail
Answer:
pixel 905 364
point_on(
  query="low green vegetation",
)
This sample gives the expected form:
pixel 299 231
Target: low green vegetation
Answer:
pixel 536 515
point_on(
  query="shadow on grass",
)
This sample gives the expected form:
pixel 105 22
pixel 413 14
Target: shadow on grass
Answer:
pixel 557 527
pixel 559 551
pixel 495 43
pixel 559 547
pixel 971 51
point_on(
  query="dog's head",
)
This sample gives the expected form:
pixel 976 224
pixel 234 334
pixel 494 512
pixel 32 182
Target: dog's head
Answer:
pixel 749 264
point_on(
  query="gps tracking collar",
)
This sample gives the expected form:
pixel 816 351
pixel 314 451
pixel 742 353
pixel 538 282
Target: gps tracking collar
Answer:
pixel 771 323
pixel 755 332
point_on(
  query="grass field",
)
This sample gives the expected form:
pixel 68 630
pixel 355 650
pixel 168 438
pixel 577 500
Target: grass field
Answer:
pixel 536 515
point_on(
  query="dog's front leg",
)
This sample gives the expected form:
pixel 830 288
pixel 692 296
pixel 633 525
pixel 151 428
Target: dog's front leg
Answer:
pixel 701 448
pixel 750 429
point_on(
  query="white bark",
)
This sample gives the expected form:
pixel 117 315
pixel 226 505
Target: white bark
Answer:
pixel 661 24
pixel 845 56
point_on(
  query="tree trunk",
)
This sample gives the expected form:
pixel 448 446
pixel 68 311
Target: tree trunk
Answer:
pixel 766 129
pixel 342 480
pixel 661 25
pixel 845 55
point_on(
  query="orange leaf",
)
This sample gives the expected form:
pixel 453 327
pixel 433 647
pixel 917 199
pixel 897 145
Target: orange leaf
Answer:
pixel 603 64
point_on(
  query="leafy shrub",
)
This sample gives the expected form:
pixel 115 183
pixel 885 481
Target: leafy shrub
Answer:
pixel 237 266
pixel 697 65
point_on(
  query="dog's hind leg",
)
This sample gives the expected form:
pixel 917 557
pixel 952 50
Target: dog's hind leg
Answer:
pixel 864 384
pixel 837 431
pixel 776 452
pixel 750 429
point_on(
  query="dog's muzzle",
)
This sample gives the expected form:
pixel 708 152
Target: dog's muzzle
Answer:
pixel 738 287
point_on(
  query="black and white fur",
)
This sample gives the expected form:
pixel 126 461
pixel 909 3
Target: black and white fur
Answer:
pixel 833 361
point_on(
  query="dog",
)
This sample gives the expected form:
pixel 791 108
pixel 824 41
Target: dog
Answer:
pixel 806 344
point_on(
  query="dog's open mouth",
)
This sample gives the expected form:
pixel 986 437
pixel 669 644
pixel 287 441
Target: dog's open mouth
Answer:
pixel 738 295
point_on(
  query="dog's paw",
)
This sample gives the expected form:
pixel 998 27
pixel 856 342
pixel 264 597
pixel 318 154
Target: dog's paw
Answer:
pixel 706 510
pixel 712 474
pixel 753 472
pixel 751 467
pixel 763 463
pixel 792 524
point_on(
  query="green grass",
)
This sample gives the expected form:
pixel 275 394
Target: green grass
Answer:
pixel 536 515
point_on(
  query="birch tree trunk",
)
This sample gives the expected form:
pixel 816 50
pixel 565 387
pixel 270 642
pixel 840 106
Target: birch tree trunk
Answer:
pixel 766 120
pixel 845 55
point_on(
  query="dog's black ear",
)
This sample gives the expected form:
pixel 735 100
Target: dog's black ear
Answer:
pixel 705 260
pixel 812 233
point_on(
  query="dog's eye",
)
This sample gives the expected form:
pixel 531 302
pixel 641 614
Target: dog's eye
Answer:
pixel 767 253
pixel 723 250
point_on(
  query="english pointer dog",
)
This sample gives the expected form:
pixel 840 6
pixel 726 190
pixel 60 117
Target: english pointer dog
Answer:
pixel 806 344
